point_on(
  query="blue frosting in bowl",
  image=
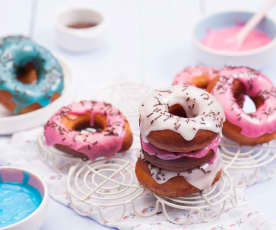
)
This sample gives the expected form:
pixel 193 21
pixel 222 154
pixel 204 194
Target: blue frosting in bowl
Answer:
pixel 17 201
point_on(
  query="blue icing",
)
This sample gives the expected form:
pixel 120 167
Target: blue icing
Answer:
pixel 17 201
pixel 26 177
pixel 15 53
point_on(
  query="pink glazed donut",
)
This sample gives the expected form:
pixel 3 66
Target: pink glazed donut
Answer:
pixel 246 128
pixel 89 129
pixel 198 76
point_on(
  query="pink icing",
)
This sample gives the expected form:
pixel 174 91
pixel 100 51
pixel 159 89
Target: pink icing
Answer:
pixel 252 124
pixel 165 155
pixel 11 175
pixel 201 178
pixel 220 39
pixel 185 77
pixel 34 181
pixel 93 144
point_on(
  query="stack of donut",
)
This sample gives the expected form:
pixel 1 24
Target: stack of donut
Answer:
pixel 180 132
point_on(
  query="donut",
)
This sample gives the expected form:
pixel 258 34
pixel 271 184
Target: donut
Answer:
pixel 198 76
pixel 180 119
pixel 172 184
pixel 246 128
pixel 185 112
pixel 89 129
pixel 178 162
pixel 30 76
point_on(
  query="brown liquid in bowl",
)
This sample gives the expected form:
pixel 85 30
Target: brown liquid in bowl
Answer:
pixel 82 25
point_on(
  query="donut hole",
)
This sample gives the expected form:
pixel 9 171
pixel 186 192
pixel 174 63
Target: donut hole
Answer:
pixel 27 74
pixel 177 110
pixel 247 103
pixel 85 126
pixel 82 122
pixel 201 81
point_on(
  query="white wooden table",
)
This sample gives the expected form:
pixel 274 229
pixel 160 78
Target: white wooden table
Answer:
pixel 146 41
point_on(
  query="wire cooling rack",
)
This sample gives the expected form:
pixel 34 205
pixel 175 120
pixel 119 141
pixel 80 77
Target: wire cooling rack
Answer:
pixel 208 204
pixel 56 159
pixel 248 164
pixel 111 183
pixel 101 184
pixel 235 156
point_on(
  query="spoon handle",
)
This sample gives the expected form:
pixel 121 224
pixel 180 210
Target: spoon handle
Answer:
pixel 256 19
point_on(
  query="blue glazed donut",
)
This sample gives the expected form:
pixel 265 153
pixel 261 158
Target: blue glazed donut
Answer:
pixel 15 53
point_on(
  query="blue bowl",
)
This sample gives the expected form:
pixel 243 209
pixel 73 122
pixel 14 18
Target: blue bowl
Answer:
pixel 256 58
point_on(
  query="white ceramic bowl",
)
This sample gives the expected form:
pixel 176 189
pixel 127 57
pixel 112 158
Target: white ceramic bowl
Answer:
pixel 80 40
pixel 11 124
pixel 256 58
pixel 34 220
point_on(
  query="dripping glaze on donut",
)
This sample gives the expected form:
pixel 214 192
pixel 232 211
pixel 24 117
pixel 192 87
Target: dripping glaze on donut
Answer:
pixel 201 177
pixel 198 76
pixel 202 123
pixel 177 184
pixel 182 164
pixel 166 155
pixel 17 55
pixel 112 136
pixel 246 128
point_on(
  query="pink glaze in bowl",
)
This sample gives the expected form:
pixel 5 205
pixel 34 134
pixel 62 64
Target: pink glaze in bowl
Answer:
pixel 255 58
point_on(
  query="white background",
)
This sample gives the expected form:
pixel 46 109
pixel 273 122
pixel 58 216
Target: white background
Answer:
pixel 146 41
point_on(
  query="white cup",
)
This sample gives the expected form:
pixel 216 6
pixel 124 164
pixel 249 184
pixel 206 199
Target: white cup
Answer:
pixel 80 39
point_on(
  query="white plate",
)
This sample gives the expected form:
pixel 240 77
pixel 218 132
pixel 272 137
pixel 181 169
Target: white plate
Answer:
pixel 11 124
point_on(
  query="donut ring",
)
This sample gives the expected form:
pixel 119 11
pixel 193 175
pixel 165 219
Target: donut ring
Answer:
pixel 65 130
pixel 176 186
pixel 246 128
pixel 180 119
pixel 178 165
pixel 19 92
pixel 198 76
pixel 179 162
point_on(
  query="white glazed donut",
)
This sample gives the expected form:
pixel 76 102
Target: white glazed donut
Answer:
pixel 163 124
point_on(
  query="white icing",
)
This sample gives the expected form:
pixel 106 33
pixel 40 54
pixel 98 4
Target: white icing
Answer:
pixel 201 178
pixel 202 109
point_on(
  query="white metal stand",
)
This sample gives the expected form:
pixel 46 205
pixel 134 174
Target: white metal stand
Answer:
pixel 101 184
pixel 235 156
pixel 248 164
pixel 106 183
pixel 57 160
pixel 208 205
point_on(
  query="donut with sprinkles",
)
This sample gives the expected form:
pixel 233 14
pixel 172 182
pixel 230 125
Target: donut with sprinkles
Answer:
pixel 89 129
pixel 246 128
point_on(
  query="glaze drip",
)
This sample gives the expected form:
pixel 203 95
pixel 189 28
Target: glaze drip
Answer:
pixel 200 178
pixel 165 155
